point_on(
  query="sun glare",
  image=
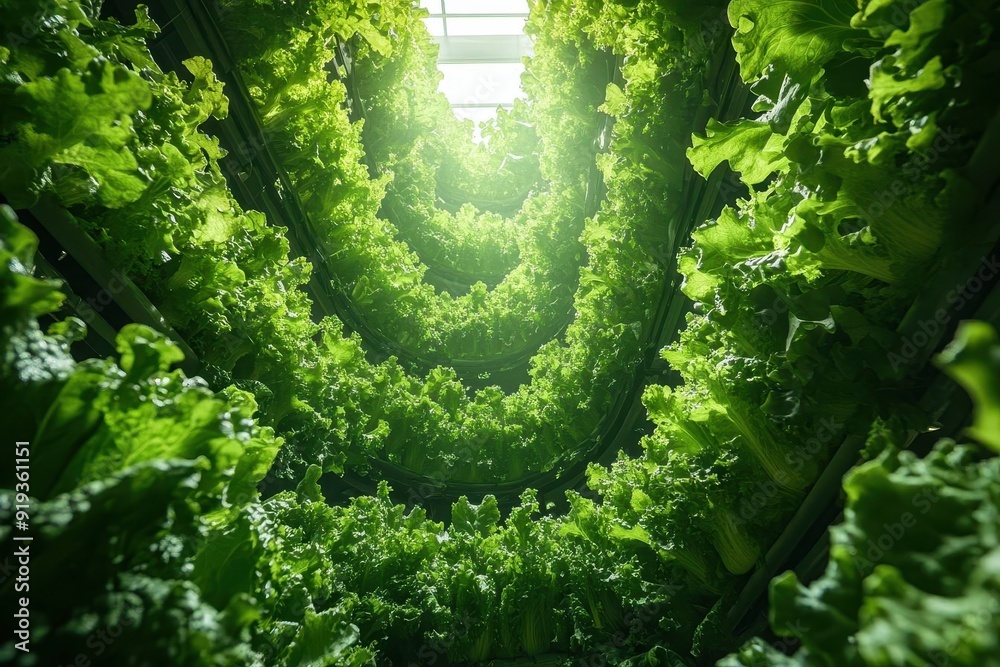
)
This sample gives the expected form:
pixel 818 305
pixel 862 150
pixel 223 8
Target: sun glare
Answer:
pixel 482 44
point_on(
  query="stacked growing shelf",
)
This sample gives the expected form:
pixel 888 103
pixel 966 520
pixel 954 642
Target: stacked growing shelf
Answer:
pixel 694 361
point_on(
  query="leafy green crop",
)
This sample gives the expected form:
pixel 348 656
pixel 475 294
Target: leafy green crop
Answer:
pixel 223 277
pixel 912 577
pixel 856 195
pixel 973 360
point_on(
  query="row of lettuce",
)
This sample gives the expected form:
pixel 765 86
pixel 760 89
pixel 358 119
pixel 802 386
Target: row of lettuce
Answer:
pixel 413 138
pixel 857 200
pixel 142 501
pixel 906 583
pixel 795 343
pixel 881 182
pixel 382 275
pixel 147 184
pixel 453 202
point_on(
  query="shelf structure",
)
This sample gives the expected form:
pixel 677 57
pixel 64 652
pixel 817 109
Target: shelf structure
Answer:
pixel 803 545
pixel 104 298
pixel 509 370
pixel 107 300
pixel 189 28
pixel 626 422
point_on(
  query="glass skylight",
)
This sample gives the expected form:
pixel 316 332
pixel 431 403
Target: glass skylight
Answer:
pixel 482 43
